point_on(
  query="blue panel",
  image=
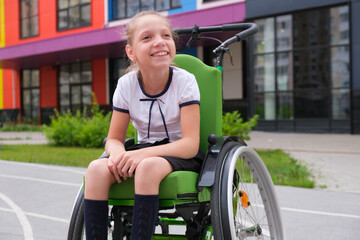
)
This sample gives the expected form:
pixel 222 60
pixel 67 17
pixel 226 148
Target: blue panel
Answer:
pixel 110 18
pixel 186 6
pixel 190 51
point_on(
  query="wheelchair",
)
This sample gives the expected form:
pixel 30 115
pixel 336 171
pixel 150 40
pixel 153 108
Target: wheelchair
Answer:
pixel 232 197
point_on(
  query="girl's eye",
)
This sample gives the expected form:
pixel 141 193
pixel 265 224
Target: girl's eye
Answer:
pixel 145 37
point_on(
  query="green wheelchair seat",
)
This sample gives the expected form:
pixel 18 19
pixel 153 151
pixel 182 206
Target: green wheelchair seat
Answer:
pixel 181 185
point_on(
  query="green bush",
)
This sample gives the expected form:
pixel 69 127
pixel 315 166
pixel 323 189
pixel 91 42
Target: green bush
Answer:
pixel 94 130
pixel 78 130
pixel 233 125
pixel 130 131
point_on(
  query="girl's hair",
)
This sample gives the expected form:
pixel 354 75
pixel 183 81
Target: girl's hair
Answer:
pixel 131 26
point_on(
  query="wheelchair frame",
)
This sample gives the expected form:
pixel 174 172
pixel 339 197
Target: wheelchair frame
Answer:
pixel 224 207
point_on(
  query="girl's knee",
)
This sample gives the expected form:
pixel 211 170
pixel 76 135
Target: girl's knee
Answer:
pixel 94 167
pixel 98 169
pixel 152 170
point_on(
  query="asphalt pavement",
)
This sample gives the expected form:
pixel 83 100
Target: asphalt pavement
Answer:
pixel 36 200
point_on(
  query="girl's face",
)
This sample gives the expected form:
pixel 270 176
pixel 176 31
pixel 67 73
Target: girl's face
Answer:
pixel 152 47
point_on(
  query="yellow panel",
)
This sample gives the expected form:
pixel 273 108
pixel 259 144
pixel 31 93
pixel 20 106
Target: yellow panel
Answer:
pixel 2 23
pixel 2 44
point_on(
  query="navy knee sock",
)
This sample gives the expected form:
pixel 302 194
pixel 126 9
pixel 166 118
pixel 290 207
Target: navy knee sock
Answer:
pixel 96 219
pixel 145 212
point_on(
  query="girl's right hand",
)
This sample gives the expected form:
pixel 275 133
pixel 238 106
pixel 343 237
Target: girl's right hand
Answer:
pixel 113 161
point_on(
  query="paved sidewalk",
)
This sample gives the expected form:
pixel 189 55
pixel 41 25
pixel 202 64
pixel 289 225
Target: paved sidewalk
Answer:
pixel 22 138
pixel 334 159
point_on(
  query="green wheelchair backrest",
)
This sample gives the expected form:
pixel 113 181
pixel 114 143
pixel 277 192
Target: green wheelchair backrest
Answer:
pixel 209 81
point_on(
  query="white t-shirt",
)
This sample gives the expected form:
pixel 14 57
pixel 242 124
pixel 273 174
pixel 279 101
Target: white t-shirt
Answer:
pixel 156 116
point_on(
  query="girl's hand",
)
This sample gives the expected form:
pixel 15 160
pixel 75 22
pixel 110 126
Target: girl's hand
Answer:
pixel 128 161
pixel 112 163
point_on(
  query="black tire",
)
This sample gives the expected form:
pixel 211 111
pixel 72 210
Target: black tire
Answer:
pixel 76 227
pixel 241 174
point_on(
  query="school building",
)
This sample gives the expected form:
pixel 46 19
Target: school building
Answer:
pixel 299 72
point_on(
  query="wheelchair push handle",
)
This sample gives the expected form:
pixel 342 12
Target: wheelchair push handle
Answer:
pixel 250 28
pixel 245 30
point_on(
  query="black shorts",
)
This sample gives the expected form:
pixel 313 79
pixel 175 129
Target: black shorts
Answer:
pixel 178 164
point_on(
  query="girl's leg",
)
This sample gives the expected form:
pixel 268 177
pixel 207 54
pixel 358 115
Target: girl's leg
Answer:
pixel 98 180
pixel 149 173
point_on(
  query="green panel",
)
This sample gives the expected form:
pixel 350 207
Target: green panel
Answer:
pixel 209 81
pixel 204 195
pixel 171 221
pixel 179 182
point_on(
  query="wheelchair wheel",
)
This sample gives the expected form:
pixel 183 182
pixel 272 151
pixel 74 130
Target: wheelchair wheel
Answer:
pixel 243 200
pixel 76 227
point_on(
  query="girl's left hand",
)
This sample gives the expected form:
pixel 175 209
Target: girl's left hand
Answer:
pixel 128 161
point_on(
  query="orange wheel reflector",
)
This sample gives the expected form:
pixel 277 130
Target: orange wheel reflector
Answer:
pixel 244 199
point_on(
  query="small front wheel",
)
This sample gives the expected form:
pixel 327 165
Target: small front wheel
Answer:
pixel 243 200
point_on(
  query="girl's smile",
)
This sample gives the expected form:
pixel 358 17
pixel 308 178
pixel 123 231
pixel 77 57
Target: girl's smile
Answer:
pixel 161 53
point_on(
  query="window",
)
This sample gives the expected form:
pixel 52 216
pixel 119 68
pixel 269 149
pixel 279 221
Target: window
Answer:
pixel 75 87
pixel 120 9
pixel 284 67
pixel 30 83
pixel 29 18
pixel 302 65
pixel 73 14
pixel 264 72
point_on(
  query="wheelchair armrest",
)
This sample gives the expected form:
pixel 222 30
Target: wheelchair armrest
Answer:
pixel 207 172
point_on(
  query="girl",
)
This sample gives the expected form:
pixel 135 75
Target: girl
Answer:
pixel 163 104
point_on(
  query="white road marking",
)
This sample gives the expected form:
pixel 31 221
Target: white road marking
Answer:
pixel 28 233
pixel 314 212
pixel 38 165
pixel 321 213
pixel 40 180
pixel 38 216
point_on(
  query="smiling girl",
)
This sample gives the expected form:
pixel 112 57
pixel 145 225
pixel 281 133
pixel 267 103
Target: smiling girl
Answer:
pixel 163 104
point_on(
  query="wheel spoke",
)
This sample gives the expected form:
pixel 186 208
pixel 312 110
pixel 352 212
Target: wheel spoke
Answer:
pixel 250 220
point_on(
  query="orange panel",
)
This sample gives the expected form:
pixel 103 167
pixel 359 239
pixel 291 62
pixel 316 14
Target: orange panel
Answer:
pixel 99 80
pixel 11 22
pixel 47 19
pixel 48 87
pixel 11 87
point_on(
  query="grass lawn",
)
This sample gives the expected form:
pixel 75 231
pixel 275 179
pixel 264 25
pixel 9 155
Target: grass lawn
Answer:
pixel 283 169
pixel 48 154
